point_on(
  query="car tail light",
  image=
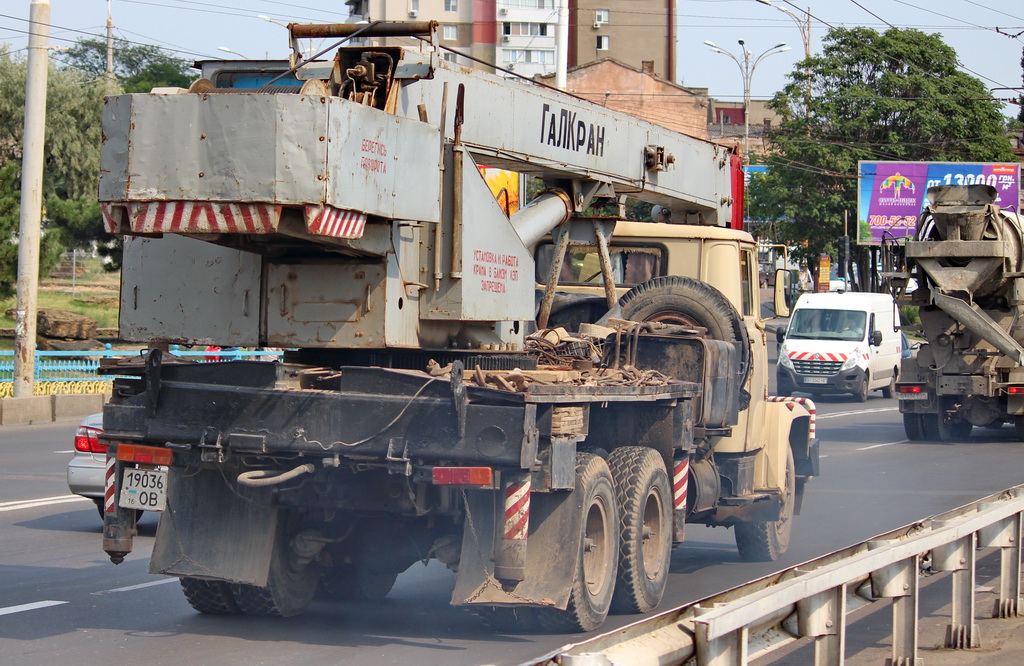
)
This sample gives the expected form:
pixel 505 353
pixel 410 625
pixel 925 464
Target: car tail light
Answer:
pixel 463 476
pixel 910 388
pixel 150 455
pixel 86 440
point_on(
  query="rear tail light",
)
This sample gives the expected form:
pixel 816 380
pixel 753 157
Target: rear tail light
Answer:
pixel 150 455
pixel 910 388
pixel 86 440
pixel 462 476
pixel 1015 390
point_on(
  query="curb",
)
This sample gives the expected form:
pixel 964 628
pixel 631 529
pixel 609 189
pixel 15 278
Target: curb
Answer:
pixel 48 408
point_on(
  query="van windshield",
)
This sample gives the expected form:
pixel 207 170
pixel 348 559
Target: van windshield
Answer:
pixel 816 324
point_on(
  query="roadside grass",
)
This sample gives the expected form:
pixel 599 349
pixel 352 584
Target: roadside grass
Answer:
pixel 93 293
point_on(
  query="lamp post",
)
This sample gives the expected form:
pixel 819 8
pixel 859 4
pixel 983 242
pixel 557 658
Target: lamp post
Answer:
pixel 747 65
pixel 267 18
pixel 227 50
pixel 805 35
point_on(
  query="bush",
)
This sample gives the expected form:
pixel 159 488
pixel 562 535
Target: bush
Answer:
pixel 910 315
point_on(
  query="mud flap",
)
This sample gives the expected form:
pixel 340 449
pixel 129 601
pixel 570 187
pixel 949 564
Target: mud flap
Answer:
pixel 550 558
pixel 213 530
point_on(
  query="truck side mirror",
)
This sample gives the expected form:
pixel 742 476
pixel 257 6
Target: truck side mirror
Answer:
pixel 782 293
pixel 780 335
pixel 876 338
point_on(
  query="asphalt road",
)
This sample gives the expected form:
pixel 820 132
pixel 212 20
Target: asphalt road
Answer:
pixel 61 601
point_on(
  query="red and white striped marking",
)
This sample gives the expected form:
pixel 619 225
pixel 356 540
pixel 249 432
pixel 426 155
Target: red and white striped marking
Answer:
pixel 196 217
pixel 808 405
pixel 680 481
pixel 517 509
pixel 334 222
pixel 108 487
pixel 207 217
pixel 817 356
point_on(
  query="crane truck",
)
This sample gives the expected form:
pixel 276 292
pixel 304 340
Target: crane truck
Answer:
pixel 453 386
pixel 966 259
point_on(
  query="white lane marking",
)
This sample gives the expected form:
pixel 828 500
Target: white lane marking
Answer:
pixel 860 411
pixel 878 446
pixel 68 451
pixel 139 586
pixel 28 607
pixel 41 501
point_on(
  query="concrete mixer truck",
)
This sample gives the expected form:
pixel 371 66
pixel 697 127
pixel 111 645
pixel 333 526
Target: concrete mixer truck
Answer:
pixel 966 259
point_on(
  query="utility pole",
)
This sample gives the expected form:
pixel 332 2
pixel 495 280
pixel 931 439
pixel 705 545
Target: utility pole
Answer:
pixel 110 44
pixel 31 198
pixel 562 46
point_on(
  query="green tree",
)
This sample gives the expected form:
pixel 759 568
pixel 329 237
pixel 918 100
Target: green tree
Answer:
pixel 137 67
pixel 71 156
pixel 896 95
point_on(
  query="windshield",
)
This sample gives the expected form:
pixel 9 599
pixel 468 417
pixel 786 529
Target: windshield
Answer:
pixel 812 324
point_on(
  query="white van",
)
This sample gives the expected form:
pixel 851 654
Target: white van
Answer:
pixel 846 342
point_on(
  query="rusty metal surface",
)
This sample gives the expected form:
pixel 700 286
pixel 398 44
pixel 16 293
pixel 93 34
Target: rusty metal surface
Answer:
pixel 391 29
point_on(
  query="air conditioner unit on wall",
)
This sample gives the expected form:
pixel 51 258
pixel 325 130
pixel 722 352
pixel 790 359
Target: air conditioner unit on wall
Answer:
pixel 504 38
pixel 597 24
pixel 413 13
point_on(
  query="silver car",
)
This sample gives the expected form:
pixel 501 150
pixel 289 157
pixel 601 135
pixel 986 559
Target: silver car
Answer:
pixel 86 469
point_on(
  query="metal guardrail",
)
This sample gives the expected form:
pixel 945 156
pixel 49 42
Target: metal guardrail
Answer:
pixel 65 366
pixel 814 598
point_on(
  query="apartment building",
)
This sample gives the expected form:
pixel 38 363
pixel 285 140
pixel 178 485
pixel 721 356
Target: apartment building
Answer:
pixel 520 35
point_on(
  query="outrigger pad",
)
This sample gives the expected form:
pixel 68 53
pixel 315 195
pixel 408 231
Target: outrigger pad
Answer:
pixel 551 553
pixel 219 533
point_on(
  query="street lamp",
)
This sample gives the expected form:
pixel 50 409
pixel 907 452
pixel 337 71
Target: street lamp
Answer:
pixel 805 35
pixel 267 18
pixel 747 65
pixel 227 50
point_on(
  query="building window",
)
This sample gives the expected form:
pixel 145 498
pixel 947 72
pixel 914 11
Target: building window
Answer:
pixel 450 57
pixel 531 29
pixel 530 4
pixel 603 42
pixel 451 5
pixel 600 17
pixel 414 6
pixel 528 56
pixel 451 32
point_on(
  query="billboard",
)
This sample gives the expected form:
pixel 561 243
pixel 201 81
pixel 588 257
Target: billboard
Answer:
pixel 891 195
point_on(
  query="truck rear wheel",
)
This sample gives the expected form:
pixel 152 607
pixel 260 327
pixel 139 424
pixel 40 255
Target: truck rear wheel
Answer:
pixel 913 427
pixel 767 541
pixel 890 389
pixel 936 427
pixel 594 582
pixel 962 429
pixel 1018 427
pixel 290 585
pixel 210 597
pixel 675 299
pixel 645 528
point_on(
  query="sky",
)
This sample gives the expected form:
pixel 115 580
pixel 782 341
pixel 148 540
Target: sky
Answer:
pixel 195 29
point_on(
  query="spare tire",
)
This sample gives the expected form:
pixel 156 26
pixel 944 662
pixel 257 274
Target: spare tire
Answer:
pixel 684 301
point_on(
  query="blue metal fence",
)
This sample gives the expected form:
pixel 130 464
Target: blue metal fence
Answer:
pixel 63 366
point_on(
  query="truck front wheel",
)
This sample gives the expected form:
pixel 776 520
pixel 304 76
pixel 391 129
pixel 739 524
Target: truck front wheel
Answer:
pixel 594 581
pixel 645 528
pixel 767 541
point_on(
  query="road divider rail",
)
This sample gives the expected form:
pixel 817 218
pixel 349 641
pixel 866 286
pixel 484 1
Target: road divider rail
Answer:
pixel 813 599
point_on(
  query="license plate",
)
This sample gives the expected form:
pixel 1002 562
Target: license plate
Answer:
pixel 911 396
pixel 144 489
pixel 815 380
